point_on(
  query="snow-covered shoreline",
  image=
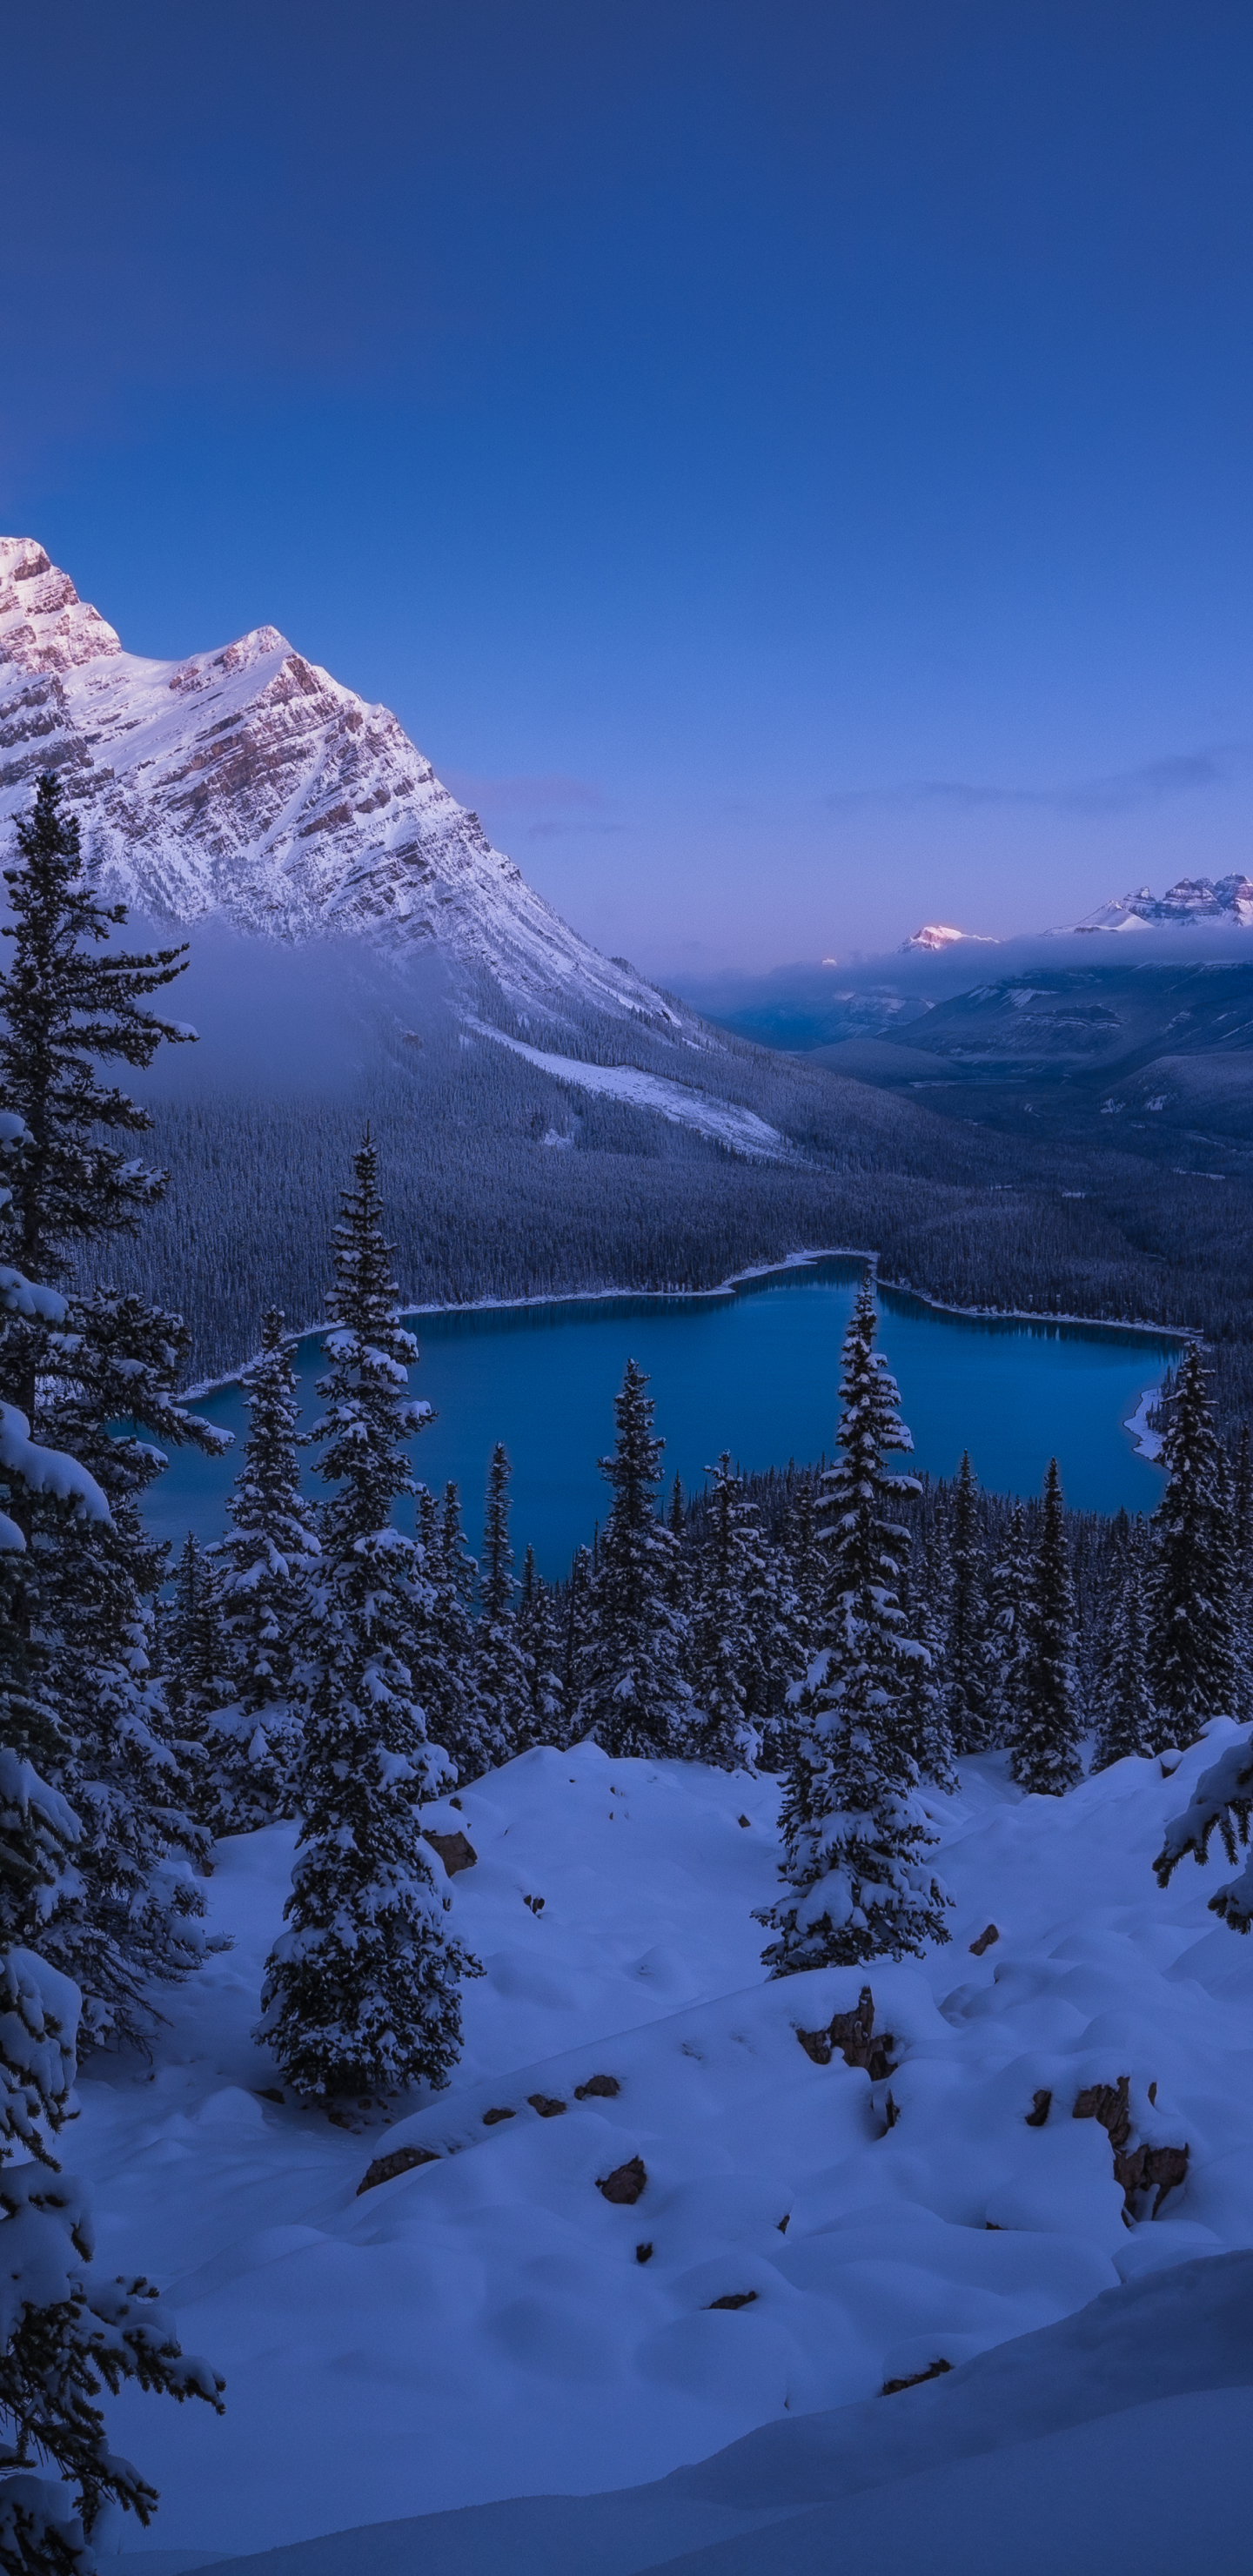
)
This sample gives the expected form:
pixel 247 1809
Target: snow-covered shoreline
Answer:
pixel 1180 1333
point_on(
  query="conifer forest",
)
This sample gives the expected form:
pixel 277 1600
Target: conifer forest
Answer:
pixel 848 1632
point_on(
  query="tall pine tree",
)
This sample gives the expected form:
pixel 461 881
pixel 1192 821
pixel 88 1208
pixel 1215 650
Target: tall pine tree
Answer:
pixel 723 1655
pixel 858 1883
pixel 633 1696
pixel 67 2331
pixel 1046 1756
pixel 362 1992
pixel 263 1568
pixel 1192 1637
pixel 1129 1719
pixel 501 1682
pixel 96 1380
pixel 965 1648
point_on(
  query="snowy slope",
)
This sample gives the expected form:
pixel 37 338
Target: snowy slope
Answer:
pixel 250 783
pixel 480 2325
pixel 1084 2446
pixel 724 1121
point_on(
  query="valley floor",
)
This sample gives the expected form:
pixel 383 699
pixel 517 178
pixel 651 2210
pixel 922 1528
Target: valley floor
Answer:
pixel 482 2326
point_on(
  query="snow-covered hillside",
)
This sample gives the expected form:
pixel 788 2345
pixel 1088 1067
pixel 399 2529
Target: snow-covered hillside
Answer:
pixel 488 2323
pixel 249 783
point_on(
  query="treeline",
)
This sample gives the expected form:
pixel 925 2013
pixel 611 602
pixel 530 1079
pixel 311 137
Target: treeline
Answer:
pixel 481 1205
pixel 343 1662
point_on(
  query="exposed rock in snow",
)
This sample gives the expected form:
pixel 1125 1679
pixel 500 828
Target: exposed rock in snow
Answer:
pixel 250 783
pixel 1223 900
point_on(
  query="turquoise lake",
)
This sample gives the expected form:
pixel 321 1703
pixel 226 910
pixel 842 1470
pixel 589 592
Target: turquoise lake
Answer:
pixel 754 1370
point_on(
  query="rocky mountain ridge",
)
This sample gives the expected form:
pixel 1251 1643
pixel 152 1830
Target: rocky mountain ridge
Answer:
pixel 1223 901
pixel 248 783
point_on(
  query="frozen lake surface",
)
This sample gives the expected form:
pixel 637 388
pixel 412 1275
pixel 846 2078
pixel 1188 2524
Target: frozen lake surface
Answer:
pixel 755 1370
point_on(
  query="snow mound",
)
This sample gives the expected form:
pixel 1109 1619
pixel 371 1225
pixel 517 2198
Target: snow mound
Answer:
pixel 487 2322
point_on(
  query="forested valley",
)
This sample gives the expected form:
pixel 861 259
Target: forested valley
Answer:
pixel 342 1663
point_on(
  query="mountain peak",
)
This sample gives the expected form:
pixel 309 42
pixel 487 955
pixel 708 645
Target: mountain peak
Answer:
pixel 1223 900
pixel 249 783
pixel 44 625
pixel 935 936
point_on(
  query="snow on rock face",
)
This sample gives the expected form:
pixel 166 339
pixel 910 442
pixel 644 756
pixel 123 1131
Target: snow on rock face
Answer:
pixel 44 625
pixel 1191 899
pixel 249 782
pixel 482 2324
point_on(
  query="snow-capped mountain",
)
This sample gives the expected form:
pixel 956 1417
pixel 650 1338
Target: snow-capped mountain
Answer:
pixel 247 782
pixel 1224 900
pixel 937 936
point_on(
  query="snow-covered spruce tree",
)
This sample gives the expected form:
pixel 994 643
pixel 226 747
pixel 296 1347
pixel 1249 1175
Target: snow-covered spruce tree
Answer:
pixel 1192 1660
pixel 68 1002
pixel 136 1782
pixel 1008 1591
pixel 927 1735
pixel 362 1992
pixel 633 1697
pixel 965 1645
pixel 1221 1802
pixel 779 1656
pixel 540 1642
pixel 66 2331
pixel 856 1836
pixel 446 1659
pixel 1045 1754
pixel 1128 1720
pixel 261 1572
pixel 723 1649
pixel 502 1687
pixel 576 1613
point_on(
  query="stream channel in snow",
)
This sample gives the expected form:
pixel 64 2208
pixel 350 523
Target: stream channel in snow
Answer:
pixel 753 1369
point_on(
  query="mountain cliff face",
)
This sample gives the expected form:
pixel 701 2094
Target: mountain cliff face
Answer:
pixel 1227 901
pixel 248 783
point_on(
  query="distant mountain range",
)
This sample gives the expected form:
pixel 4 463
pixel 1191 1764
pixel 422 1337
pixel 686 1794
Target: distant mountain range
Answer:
pixel 1224 901
pixel 247 783
pixel 1221 902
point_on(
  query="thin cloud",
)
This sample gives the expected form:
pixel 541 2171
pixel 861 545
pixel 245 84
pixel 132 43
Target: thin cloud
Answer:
pixel 525 794
pixel 535 807
pixel 1125 791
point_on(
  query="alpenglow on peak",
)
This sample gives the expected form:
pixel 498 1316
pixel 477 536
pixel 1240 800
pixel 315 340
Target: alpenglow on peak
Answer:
pixel 249 784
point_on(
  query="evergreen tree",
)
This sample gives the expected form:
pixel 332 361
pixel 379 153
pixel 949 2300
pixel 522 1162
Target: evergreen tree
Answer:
pixel 965 1646
pixel 262 1572
pixel 1046 1737
pixel 676 1523
pixel 778 1656
pixel 540 1643
pixel 1129 1721
pixel 1192 1634
pixel 925 1704
pixel 447 1665
pixel 723 1656
pixel 70 1001
pixel 501 1682
pixel 69 2332
pixel 1007 1627
pixel 633 1697
pixel 858 1882
pixel 361 1994
pixel 577 1614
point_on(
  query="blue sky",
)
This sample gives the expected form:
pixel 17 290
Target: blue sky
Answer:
pixel 788 464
